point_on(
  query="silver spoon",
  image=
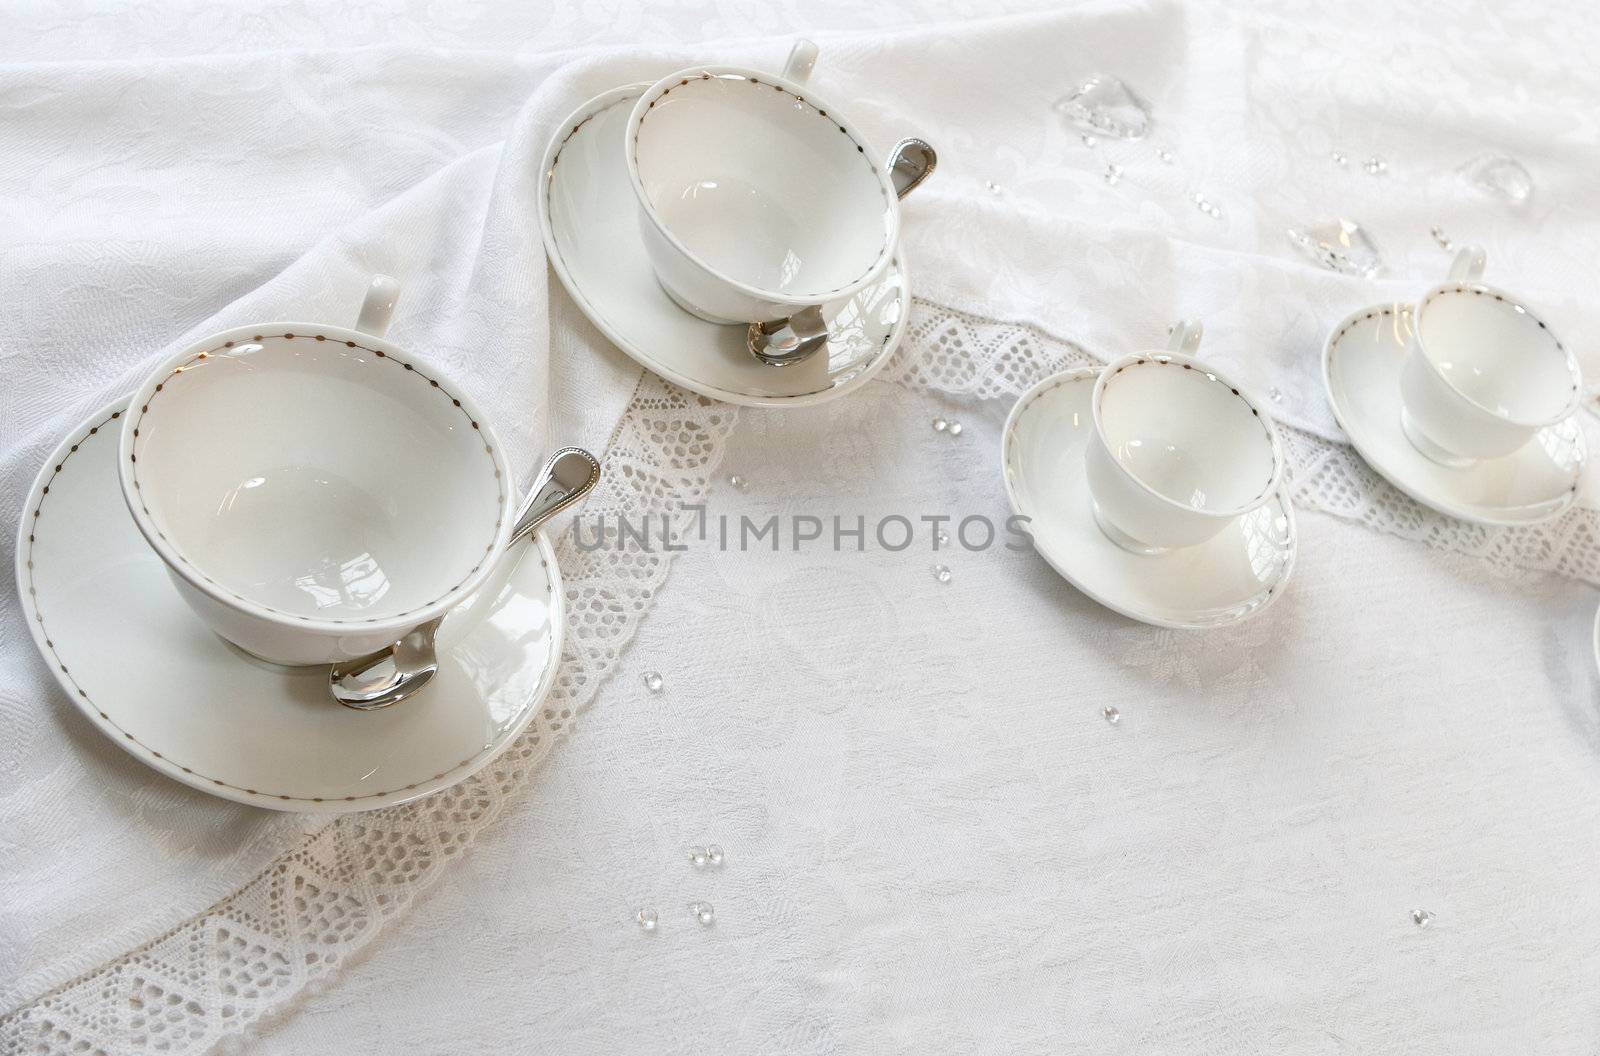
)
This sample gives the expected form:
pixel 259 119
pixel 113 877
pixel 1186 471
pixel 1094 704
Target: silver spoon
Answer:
pixel 783 342
pixel 394 673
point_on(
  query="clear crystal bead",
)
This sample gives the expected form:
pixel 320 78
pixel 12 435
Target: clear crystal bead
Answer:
pixel 941 537
pixel 1501 176
pixel 652 681
pixel 940 425
pixel 702 912
pixel 1113 173
pixel 1340 245
pixel 955 428
pixel 941 573
pixel 1376 166
pixel 1112 715
pixel 1276 394
pixel 699 857
pixel 1089 140
pixel 1440 237
pixel 1214 211
pixel 991 186
pixel 1105 106
pixel 1165 155
pixel 1339 159
pixel 1421 918
pixel 735 481
pixel 714 854
pixel 647 919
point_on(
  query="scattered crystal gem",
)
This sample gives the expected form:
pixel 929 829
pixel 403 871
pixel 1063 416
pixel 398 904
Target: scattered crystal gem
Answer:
pixel 1339 159
pixel 1500 176
pixel 955 428
pixel 941 573
pixel 1113 716
pixel 1421 918
pixel 735 481
pixel 1276 394
pixel 1340 245
pixel 702 912
pixel 1165 155
pixel 1376 166
pixel 940 425
pixel 699 856
pixel 1113 173
pixel 1213 211
pixel 647 919
pixel 1105 106
pixel 714 854
pixel 652 681
pixel 942 537
pixel 991 186
pixel 1088 140
pixel 1440 237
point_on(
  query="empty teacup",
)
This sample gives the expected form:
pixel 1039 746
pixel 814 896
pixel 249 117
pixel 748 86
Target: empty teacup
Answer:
pixel 1483 373
pixel 315 492
pixel 1177 451
pixel 757 198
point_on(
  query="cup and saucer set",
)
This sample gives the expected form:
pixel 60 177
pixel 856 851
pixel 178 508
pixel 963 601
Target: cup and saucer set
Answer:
pixel 288 517
pixel 1155 485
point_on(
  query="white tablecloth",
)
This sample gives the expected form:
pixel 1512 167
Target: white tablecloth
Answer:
pixel 933 838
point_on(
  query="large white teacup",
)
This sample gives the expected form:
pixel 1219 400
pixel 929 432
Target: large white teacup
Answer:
pixel 1483 373
pixel 315 492
pixel 1177 451
pixel 757 198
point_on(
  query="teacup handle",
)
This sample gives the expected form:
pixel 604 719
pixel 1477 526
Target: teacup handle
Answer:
pixel 802 60
pixel 1468 265
pixel 1184 337
pixel 377 307
pixel 910 162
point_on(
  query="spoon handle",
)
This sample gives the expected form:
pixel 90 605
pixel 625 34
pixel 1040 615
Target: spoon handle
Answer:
pixel 566 478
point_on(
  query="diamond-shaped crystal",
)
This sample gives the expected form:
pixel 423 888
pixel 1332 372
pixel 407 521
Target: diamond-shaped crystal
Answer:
pixel 1340 245
pixel 1105 106
pixel 1501 176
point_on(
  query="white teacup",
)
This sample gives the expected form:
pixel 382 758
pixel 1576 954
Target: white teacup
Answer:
pixel 1483 373
pixel 315 492
pixel 1178 451
pixel 756 197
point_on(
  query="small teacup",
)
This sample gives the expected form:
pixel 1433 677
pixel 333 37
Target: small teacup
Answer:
pixel 315 492
pixel 1178 451
pixel 756 197
pixel 1483 373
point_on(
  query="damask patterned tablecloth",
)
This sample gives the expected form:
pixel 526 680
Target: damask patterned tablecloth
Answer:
pixel 933 837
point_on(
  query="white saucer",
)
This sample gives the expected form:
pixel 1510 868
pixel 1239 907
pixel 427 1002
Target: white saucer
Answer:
pixel 1361 370
pixel 152 677
pixel 1230 577
pixel 591 230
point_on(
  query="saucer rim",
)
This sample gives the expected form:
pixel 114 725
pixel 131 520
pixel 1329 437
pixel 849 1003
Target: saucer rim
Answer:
pixel 564 130
pixel 1281 494
pixel 1471 515
pixel 213 786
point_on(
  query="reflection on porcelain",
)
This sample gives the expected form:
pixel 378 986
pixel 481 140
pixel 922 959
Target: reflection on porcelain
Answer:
pixel 314 491
pixel 587 211
pixel 1232 575
pixel 156 681
pixel 756 198
pixel 1362 365
pixel 1177 452
pixel 1483 373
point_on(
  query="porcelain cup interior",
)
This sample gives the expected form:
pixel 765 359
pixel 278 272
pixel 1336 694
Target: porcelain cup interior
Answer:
pixel 316 477
pixel 761 185
pixel 1178 452
pixel 1483 374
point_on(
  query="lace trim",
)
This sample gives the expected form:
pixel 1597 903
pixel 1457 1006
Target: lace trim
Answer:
pixel 293 926
pixel 971 357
